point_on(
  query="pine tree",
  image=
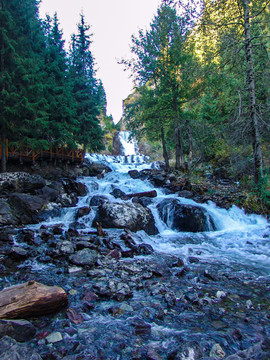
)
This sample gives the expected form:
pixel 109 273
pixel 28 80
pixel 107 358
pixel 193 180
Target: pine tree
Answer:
pixel 85 90
pixel 58 92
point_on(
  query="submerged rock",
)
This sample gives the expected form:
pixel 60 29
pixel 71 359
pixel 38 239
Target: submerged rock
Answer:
pixel 11 350
pixel 20 330
pixel 185 217
pixel 126 216
pixel 84 257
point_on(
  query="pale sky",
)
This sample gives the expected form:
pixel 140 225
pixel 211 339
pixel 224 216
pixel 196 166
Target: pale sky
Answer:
pixel 112 24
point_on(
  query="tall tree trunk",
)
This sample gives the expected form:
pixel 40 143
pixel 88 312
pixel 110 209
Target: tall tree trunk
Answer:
pixel 164 148
pixel 179 155
pixel 190 146
pixel 257 152
pixel 4 155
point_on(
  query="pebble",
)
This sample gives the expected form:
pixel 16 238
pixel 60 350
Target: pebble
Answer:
pixel 221 294
pixel 217 352
pixel 74 269
pixel 54 337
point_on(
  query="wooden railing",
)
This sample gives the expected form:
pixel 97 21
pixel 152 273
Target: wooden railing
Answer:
pixel 23 152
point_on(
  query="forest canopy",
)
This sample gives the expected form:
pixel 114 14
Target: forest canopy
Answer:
pixel 201 73
pixel 50 96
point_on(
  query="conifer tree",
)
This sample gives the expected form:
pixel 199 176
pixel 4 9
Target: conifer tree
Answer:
pixel 85 89
pixel 58 92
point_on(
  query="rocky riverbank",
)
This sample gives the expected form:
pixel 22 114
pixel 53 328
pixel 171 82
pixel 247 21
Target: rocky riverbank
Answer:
pixel 126 300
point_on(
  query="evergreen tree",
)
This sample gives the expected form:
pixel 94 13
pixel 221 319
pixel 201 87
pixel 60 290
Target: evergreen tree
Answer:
pixel 85 90
pixel 22 101
pixel 58 92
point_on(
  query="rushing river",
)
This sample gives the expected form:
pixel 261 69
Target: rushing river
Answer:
pixel 196 296
pixel 240 240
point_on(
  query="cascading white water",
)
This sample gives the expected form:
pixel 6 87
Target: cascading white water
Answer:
pixel 129 146
pixel 239 240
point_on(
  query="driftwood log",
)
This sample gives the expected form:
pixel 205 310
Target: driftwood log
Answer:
pixel 31 299
pixel 150 194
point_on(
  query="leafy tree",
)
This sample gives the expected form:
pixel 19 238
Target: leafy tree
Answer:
pixel 163 58
pixel 229 31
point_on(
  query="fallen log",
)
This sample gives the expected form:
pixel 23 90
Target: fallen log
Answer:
pixel 150 194
pixel 31 299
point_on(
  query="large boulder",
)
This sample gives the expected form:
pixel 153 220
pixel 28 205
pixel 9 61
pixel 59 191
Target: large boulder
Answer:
pixel 95 169
pixel 126 216
pixel 6 215
pixel 20 182
pixel 27 207
pixel 184 217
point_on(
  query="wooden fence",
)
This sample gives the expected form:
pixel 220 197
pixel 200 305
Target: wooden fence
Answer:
pixel 26 153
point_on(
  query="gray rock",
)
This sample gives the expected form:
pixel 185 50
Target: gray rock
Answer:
pixel 126 216
pixel 6 215
pixel 83 211
pixel 11 350
pixel 18 253
pixel 26 207
pixel 20 330
pixel 66 247
pixel 20 182
pixel 185 217
pixel 54 337
pixel 84 257
pixel 98 200
pixel 96 169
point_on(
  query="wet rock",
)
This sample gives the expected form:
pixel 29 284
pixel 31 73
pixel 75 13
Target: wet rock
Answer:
pixel 193 260
pixel 217 352
pixel 152 354
pixel 20 182
pixel 83 211
pixel 48 194
pixel 126 216
pixel 98 200
pixel 115 254
pixel 134 174
pixel 158 180
pixel 66 247
pixel 140 327
pixel 118 194
pixel 95 169
pixel 6 214
pixel 54 337
pixel 84 257
pixel 18 253
pixel 26 207
pixel 27 236
pixel 11 350
pixel 75 316
pixel 74 269
pixel 186 194
pixel 144 249
pixel 20 330
pixel 57 230
pixel 184 217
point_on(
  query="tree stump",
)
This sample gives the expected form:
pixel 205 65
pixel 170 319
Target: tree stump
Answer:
pixel 31 299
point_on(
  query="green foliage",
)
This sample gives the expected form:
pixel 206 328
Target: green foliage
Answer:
pixel 48 97
pixel 85 90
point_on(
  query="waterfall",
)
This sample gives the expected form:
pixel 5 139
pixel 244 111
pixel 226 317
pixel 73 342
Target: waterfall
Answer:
pixel 128 146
